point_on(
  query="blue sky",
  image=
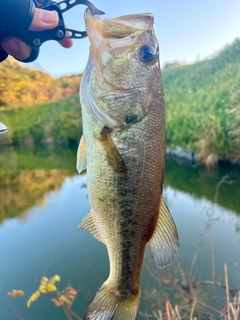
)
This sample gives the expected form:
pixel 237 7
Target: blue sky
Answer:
pixel 186 30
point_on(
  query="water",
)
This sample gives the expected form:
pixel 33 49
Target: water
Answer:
pixel 42 202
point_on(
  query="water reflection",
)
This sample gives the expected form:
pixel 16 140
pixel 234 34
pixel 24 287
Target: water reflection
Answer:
pixel 27 176
pixel 22 190
pixel 42 186
pixel 202 183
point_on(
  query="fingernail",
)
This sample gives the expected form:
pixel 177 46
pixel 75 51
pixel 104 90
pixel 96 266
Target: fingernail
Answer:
pixel 10 46
pixel 48 16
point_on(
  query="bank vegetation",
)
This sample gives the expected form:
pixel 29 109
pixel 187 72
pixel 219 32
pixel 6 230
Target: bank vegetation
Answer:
pixel 202 106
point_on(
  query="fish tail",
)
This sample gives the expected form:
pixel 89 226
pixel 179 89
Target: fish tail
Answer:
pixel 106 305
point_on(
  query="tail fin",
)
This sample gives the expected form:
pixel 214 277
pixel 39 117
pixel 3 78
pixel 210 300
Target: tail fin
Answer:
pixel 107 306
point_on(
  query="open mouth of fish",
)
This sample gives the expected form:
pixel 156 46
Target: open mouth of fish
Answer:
pixel 122 27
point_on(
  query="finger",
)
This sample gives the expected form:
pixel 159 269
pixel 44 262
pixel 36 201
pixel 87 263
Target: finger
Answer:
pixel 16 48
pixel 66 42
pixel 44 20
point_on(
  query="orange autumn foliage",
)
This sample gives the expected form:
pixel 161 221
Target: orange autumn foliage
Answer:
pixel 21 86
pixel 16 293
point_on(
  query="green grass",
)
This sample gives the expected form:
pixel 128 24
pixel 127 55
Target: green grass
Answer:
pixel 54 122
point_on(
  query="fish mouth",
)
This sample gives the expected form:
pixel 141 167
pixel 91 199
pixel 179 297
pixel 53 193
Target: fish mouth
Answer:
pixel 123 27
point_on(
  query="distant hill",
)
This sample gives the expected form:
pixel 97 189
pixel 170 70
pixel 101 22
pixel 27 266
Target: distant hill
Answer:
pixel 203 106
pixel 24 86
pixel 171 65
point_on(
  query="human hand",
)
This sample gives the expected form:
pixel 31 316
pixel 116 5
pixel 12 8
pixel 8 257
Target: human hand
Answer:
pixel 42 20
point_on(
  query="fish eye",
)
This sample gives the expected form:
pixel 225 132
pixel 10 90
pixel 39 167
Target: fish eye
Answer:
pixel 147 54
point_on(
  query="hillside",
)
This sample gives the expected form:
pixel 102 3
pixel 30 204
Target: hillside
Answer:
pixel 49 123
pixel 23 86
pixel 203 106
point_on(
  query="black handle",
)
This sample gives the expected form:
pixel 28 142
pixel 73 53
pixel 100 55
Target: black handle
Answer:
pixel 37 38
pixel 24 12
pixel 3 54
pixel 34 38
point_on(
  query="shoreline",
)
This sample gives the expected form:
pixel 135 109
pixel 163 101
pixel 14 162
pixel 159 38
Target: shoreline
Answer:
pixel 182 153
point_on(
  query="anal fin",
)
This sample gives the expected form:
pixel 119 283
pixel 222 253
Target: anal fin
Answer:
pixel 164 244
pixel 82 155
pixel 88 224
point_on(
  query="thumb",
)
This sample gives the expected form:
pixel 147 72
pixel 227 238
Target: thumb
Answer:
pixel 43 20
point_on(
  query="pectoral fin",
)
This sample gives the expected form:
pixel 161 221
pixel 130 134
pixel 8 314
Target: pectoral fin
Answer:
pixel 164 244
pixel 88 224
pixel 113 156
pixel 82 155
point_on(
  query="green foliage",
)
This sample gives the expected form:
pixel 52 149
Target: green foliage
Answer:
pixel 202 105
pixel 54 122
pixel 235 111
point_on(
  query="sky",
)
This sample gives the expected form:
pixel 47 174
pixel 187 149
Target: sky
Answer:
pixel 187 30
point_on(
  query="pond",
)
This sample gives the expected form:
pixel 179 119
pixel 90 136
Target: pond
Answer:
pixel 42 201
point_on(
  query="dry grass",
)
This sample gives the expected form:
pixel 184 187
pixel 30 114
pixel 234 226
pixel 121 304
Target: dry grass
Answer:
pixel 191 305
pixel 188 298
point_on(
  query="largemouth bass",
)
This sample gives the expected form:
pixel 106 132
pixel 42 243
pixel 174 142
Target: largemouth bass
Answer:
pixel 123 149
